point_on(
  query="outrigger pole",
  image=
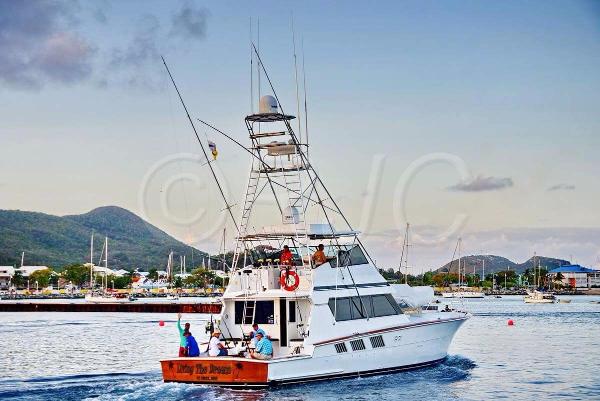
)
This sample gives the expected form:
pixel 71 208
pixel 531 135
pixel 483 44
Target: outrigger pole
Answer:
pixel 212 170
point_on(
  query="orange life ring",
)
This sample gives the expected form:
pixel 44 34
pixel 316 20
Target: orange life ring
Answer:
pixel 284 280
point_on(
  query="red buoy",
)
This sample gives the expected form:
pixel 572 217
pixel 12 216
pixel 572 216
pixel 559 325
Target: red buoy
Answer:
pixel 161 323
pixel 511 322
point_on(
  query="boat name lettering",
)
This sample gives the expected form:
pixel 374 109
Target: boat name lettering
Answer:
pixel 204 369
pixel 185 369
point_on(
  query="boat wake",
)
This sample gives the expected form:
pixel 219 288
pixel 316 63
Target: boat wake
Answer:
pixel 149 386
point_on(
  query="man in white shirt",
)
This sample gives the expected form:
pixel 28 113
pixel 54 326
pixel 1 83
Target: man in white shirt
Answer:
pixel 215 348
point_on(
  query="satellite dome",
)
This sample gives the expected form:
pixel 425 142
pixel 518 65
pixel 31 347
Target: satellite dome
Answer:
pixel 267 105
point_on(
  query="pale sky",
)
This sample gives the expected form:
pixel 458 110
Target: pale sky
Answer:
pixel 508 90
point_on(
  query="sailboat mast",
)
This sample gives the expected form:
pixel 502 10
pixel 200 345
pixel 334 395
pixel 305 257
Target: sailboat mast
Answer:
pixel 106 263
pixel 406 255
pixel 92 262
pixel 534 272
pixel 459 259
pixel 483 272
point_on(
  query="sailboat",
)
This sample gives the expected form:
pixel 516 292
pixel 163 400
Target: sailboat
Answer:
pixel 172 295
pixel 336 319
pixel 537 296
pixel 102 295
pixel 462 290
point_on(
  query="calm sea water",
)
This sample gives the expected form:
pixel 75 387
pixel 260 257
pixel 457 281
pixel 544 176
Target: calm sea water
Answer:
pixel 551 353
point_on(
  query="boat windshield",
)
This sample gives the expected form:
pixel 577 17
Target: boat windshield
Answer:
pixel 346 255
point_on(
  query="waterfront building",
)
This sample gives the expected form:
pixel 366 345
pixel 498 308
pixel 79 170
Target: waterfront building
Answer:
pixel 576 276
pixel 6 274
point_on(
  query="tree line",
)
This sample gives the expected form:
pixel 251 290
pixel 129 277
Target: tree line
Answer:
pixel 79 275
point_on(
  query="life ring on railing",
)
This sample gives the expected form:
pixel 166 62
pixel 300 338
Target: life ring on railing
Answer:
pixel 289 280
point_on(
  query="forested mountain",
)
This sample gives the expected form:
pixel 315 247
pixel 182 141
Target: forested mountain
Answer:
pixel 494 264
pixel 57 241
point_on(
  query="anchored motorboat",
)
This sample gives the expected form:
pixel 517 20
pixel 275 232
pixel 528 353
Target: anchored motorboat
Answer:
pixel 539 297
pixel 329 317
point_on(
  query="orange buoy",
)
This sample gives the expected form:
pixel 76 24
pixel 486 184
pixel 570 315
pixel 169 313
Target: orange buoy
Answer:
pixel 511 322
pixel 161 323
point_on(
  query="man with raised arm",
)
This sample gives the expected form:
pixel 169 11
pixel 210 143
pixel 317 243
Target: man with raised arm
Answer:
pixel 182 338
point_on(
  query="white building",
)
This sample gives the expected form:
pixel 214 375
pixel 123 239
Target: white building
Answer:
pixel 6 274
pixel 576 276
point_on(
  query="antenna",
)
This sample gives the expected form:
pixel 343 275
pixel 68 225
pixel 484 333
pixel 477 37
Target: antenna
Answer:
pixel 258 51
pixel 251 72
pixel 305 107
pixel 296 78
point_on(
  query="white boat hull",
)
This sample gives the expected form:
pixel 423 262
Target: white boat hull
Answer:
pixel 106 300
pixel 463 294
pixel 408 346
pixel 405 348
pixel 538 301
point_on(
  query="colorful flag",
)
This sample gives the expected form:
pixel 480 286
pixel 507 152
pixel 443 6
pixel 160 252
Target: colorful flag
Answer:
pixel 213 149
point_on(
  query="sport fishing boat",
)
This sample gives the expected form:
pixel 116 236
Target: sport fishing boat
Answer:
pixel 336 319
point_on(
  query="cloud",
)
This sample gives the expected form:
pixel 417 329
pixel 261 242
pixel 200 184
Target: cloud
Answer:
pixel 189 22
pixel 64 57
pixel 143 46
pixel 481 183
pixel 138 63
pixel 39 44
pixel 562 187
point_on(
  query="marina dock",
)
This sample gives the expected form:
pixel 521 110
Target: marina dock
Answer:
pixel 132 307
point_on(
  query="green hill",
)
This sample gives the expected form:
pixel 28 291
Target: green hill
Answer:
pixel 57 241
pixel 494 264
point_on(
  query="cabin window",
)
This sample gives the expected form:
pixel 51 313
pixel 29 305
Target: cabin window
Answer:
pixel 383 305
pixel 264 312
pixel 351 308
pixel 349 257
pixel 358 307
pixel 292 312
pixel 357 345
pixel 340 308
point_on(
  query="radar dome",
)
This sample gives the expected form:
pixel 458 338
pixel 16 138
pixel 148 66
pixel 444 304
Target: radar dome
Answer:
pixel 267 105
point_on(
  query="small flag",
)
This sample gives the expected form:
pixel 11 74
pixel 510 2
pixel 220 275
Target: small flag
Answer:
pixel 213 149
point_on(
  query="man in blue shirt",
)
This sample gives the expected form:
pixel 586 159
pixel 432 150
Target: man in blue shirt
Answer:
pixel 191 344
pixel 255 331
pixel 264 348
